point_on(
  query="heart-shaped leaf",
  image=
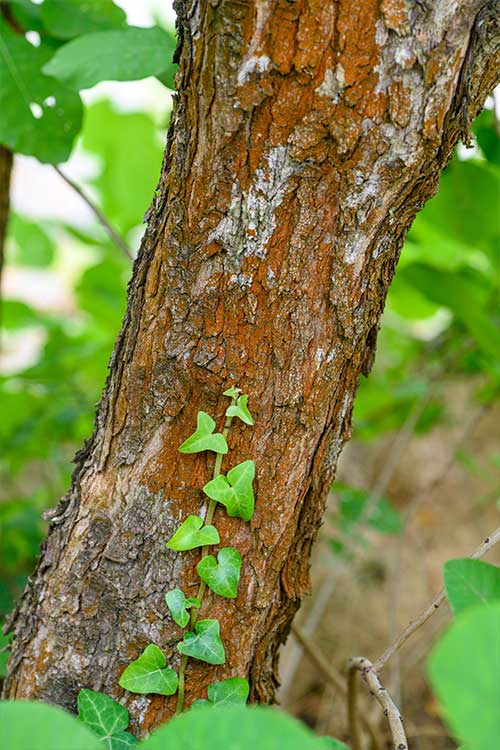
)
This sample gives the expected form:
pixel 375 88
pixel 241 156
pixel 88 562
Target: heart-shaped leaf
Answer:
pixel 147 674
pixel 240 410
pixel 205 644
pixel 107 718
pixel 234 491
pixel 234 690
pixel 233 392
pixel 204 438
pixel 190 534
pixel 221 575
pixel 178 606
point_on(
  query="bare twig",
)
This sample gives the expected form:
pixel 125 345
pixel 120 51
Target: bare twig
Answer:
pixel 334 678
pixel 112 234
pixel 414 625
pixel 370 676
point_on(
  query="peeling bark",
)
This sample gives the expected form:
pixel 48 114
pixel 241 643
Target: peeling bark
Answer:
pixel 305 136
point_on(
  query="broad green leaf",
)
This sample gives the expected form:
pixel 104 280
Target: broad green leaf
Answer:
pixel 27 15
pixel 178 606
pixel 234 690
pixel 190 535
pixel 464 672
pixel 221 575
pixel 238 728
pixel 487 136
pixel 40 116
pixel 38 726
pixel 234 490
pixel 471 582
pixel 18 315
pixel 68 18
pixel 126 55
pixel 107 134
pixel 240 410
pixel 204 438
pixel 205 644
pixel 148 674
pixel 107 718
pixel 232 392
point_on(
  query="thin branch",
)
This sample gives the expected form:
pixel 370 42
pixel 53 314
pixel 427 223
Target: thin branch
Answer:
pixel 370 676
pixel 414 625
pixel 112 234
pixel 334 678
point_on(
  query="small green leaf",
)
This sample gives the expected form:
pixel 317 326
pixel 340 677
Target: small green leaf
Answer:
pixel 240 410
pixel 147 674
pixel 68 18
pixel 126 55
pixel 40 116
pixel 190 535
pixel 470 582
pixel 234 690
pixel 205 644
pixel 221 575
pixel 234 490
pixel 204 438
pixel 107 718
pixel 178 606
pixel 232 392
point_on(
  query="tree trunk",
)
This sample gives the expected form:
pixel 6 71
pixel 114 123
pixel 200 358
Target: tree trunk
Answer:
pixel 305 136
pixel 6 160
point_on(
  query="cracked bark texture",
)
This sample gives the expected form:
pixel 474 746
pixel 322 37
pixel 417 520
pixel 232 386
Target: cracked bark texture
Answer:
pixel 304 138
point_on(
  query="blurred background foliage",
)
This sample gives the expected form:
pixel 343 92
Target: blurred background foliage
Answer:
pixel 440 326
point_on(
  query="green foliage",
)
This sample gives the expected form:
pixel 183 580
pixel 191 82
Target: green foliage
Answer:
pixel 222 575
pixel 191 534
pixel 232 691
pixel 463 670
pixel 203 438
pixel 235 490
pixel 178 606
pixel 38 726
pixel 354 507
pixel 40 116
pixel 238 728
pixel 107 719
pixel 123 55
pixel 30 245
pixel 205 643
pixel 148 674
pixel 69 18
pixel 126 185
pixel 471 582
pixel 240 410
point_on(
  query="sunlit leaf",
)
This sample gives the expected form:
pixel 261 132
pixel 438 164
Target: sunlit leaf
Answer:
pixel 191 534
pixel 204 438
pixel 178 606
pixel 240 410
pixel 222 574
pixel 149 674
pixel 471 582
pixel 205 643
pixel 107 718
pixel 235 490
pixel 69 18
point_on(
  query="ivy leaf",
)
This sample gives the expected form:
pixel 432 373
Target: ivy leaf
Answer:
pixel 205 644
pixel 190 534
pixel 221 575
pixel 471 582
pixel 240 410
pixel 147 674
pixel 234 690
pixel 107 718
pixel 40 116
pixel 234 491
pixel 232 392
pixel 178 606
pixel 68 18
pixel 203 438
pixel 126 55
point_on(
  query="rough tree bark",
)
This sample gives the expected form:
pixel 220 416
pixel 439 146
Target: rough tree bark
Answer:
pixel 305 136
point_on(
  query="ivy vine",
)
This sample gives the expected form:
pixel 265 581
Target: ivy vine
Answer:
pixel 220 572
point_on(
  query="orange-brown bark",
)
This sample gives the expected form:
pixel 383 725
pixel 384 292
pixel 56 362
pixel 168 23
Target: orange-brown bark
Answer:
pixel 304 138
